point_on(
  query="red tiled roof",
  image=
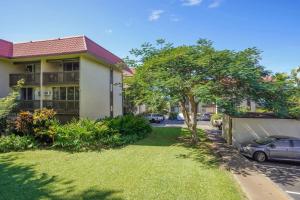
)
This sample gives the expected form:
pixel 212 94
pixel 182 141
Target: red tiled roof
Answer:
pixel 130 71
pixel 95 49
pixel 6 48
pixel 61 46
pixel 49 47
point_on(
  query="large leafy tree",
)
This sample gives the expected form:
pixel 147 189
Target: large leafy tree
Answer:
pixel 197 73
pixel 282 94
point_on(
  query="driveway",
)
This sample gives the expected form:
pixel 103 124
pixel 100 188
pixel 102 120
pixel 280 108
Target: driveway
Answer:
pixel 177 123
pixel 285 174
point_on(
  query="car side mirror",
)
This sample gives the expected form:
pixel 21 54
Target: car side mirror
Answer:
pixel 272 146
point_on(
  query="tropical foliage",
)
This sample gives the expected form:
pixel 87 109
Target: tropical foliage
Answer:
pixel 40 129
pixel 194 74
pixel 7 105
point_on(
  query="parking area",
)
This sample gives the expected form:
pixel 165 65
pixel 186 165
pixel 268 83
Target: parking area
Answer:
pixel 285 174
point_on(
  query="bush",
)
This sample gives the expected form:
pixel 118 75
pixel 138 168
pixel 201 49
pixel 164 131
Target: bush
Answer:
pixel 8 104
pixel 77 135
pixel 110 132
pixel 16 143
pixel 43 123
pixel 24 123
pixel 129 125
pixel 39 124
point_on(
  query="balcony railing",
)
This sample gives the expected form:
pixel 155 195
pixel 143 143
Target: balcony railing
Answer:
pixel 61 77
pixel 29 78
pixel 61 107
pixel 49 78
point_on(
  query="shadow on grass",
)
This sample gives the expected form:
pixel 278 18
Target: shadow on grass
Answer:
pixel 177 136
pixel 22 182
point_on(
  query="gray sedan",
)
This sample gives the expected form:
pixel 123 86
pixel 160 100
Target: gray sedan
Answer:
pixel 273 148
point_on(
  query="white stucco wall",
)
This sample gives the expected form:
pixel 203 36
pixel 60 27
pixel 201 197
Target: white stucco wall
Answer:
pixel 94 89
pixel 6 68
pixel 247 129
pixel 117 91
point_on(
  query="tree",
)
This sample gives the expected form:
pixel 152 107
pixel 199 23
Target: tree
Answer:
pixel 282 94
pixel 7 104
pixel 198 73
pixel 135 89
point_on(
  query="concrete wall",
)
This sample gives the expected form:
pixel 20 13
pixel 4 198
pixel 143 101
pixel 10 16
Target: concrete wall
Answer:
pixel 94 89
pixel 247 129
pixel 6 68
pixel 117 91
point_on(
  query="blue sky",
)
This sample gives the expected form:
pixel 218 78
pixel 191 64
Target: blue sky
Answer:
pixel 119 25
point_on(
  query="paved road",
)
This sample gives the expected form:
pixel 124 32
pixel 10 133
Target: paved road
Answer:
pixel 285 174
pixel 176 123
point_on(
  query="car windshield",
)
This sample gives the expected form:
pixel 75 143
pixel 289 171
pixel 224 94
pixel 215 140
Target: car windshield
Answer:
pixel 265 140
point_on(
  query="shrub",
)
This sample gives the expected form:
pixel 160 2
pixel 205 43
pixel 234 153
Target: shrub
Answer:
pixel 24 123
pixel 8 104
pixel 129 125
pixel 110 132
pixel 43 123
pixel 16 143
pixel 85 134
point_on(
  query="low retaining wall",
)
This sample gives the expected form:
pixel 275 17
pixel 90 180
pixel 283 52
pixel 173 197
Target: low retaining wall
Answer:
pixel 246 129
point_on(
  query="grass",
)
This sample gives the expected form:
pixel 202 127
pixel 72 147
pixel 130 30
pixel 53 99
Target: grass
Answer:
pixel 158 167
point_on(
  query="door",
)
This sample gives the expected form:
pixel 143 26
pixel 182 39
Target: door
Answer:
pixel 280 149
pixel 296 149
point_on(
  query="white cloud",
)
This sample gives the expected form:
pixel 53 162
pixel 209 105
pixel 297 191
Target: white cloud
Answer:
pixel 215 4
pixel 155 15
pixel 108 31
pixel 191 2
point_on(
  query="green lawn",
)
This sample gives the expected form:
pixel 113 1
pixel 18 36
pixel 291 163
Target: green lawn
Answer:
pixel 158 167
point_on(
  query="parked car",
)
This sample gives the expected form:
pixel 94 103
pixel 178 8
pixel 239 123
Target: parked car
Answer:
pixel 205 117
pixel 155 118
pixel 180 117
pixel 273 148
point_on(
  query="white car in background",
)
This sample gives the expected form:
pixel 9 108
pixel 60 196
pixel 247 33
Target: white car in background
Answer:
pixel 180 117
pixel 155 118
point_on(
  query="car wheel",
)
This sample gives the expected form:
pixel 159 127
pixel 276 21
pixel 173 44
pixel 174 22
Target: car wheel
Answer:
pixel 260 156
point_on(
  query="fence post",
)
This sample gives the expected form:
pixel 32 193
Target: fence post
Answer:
pixel 229 139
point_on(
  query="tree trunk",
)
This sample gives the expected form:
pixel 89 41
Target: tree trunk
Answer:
pixel 185 114
pixel 191 118
pixel 193 128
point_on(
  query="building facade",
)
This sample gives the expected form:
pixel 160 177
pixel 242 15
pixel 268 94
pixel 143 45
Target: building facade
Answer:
pixel 74 76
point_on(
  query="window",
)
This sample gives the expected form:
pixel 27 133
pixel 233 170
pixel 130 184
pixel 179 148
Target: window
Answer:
pixel 77 93
pixel 66 93
pixel 26 94
pixel 71 93
pixel 296 143
pixel 282 143
pixel 55 93
pixel 71 66
pixel 30 68
pixel 62 93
